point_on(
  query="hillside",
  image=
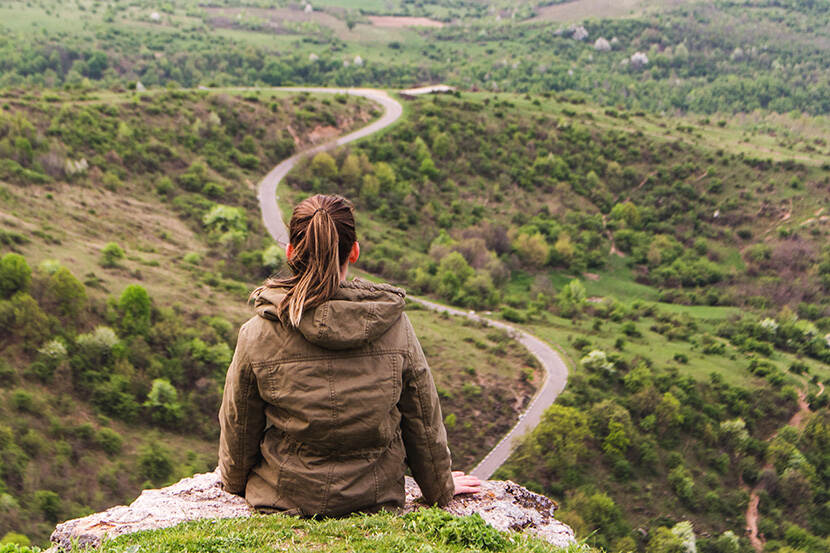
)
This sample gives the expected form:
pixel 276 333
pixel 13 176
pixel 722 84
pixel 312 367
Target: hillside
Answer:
pixel 664 57
pixel 683 271
pixel 130 238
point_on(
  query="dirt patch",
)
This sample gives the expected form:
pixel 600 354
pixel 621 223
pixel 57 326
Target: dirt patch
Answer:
pixel 591 276
pixel 396 21
pixel 321 134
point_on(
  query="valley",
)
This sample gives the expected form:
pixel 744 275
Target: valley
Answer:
pixel 643 186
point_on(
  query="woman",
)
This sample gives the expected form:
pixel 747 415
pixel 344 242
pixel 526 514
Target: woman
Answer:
pixel 329 397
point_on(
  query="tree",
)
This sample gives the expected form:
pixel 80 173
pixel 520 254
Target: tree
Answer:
pixel 350 171
pixel 442 145
pixel 15 274
pixel 453 272
pixel 668 412
pixel 163 403
pixel 136 311
pixel 559 439
pixel 532 248
pixel 67 292
pixel 663 540
pixel 385 175
pixel 323 166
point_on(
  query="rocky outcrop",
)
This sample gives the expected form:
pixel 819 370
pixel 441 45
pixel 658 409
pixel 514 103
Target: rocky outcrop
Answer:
pixel 503 504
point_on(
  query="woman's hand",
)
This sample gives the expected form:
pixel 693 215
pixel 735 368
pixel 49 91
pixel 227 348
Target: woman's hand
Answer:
pixel 465 483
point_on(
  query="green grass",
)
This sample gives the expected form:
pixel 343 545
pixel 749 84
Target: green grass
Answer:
pixel 382 533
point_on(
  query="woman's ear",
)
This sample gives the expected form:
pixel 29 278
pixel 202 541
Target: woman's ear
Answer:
pixel 289 251
pixel 355 253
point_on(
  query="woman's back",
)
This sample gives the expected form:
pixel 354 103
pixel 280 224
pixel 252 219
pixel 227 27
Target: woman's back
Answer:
pixel 326 416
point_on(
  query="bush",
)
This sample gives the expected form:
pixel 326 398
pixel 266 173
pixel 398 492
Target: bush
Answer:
pixel 109 441
pixel 111 255
pixel 15 274
pixel 135 309
pixel 49 504
pixel 22 401
pixel 13 542
pixel 155 463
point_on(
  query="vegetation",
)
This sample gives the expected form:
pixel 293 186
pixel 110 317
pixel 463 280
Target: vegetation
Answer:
pixel 702 58
pixel 564 218
pixel 111 381
pixel 426 528
pixel 648 193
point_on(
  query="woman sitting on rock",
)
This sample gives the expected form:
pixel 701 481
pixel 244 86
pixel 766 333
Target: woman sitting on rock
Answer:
pixel 329 396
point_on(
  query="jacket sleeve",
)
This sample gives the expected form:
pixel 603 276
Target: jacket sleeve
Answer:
pixel 422 426
pixel 242 422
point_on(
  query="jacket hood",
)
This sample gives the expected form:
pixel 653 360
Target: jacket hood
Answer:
pixel 358 314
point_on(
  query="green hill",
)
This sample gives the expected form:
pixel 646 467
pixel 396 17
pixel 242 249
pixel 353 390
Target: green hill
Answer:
pixel 683 272
pixel 130 238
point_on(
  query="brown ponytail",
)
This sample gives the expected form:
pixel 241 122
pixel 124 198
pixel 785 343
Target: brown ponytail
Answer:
pixel 322 232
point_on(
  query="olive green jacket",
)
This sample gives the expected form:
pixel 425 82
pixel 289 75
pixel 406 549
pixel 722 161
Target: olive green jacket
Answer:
pixel 324 419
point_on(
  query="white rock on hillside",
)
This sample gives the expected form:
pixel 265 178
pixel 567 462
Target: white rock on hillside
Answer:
pixel 503 504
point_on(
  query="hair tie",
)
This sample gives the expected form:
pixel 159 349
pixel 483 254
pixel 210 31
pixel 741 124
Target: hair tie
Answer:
pixel 318 209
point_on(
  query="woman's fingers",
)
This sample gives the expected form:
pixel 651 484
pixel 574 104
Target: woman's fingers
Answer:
pixel 465 483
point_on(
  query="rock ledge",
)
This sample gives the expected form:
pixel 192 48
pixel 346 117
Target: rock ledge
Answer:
pixel 503 504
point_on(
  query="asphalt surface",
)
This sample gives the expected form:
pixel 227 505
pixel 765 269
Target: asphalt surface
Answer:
pixel 555 368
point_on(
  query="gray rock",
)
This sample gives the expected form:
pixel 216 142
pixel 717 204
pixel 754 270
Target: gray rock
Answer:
pixel 503 504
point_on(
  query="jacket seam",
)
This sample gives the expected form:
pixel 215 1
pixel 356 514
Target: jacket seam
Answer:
pixel 244 431
pixel 340 354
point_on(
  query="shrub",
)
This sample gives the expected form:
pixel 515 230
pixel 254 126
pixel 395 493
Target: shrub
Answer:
pixel 67 293
pixel 49 504
pixel 154 463
pixel 135 309
pixel 11 541
pixel 162 401
pixel 113 398
pixel 22 401
pixel 15 274
pixel 111 255
pixel 109 441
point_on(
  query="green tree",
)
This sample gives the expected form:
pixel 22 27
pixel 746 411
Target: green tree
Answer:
pixel 532 249
pixel 163 403
pixel 668 412
pixel 558 440
pixel 67 293
pixel 15 274
pixel 453 272
pixel 350 172
pixel 323 166
pixel 136 310
pixel 663 540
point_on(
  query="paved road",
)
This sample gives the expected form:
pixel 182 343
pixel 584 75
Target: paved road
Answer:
pixel 267 194
pixel 553 365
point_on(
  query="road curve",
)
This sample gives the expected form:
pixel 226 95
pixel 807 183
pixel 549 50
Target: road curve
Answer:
pixel 267 193
pixel 556 371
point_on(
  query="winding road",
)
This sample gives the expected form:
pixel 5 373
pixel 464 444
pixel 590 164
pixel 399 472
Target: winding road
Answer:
pixel 556 370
